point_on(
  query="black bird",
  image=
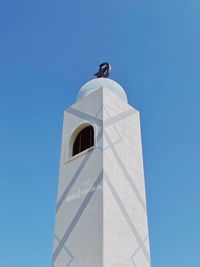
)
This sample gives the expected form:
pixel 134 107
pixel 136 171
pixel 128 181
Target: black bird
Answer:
pixel 104 70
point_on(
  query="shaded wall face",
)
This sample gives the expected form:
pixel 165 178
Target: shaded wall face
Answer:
pixel 125 227
pixel 101 208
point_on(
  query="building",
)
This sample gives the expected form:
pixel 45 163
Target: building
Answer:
pixel 101 217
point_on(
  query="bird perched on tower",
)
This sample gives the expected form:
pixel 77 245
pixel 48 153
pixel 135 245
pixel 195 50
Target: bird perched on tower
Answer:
pixel 104 70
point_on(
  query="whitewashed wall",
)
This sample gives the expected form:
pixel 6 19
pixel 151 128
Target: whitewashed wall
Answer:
pixel 125 229
pixel 101 216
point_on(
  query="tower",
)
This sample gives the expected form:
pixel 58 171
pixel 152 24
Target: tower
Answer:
pixel 101 217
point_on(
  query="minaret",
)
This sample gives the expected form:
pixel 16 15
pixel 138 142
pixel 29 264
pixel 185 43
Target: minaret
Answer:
pixel 101 216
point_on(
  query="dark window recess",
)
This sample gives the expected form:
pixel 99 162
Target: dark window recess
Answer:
pixel 84 140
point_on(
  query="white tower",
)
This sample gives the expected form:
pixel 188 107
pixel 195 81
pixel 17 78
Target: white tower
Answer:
pixel 101 217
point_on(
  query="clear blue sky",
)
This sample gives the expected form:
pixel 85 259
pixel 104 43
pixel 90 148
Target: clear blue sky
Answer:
pixel 48 49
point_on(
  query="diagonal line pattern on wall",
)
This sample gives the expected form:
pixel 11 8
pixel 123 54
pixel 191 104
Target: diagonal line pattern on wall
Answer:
pixel 68 253
pixel 136 252
pixel 76 175
pixel 99 122
pixel 116 131
pixel 118 117
pixel 107 122
pixel 125 171
pixel 85 116
pixel 73 180
pixel 77 216
pixel 126 216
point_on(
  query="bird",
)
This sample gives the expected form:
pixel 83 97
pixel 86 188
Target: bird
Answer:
pixel 104 70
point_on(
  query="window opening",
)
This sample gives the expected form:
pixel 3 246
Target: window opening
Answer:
pixel 84 140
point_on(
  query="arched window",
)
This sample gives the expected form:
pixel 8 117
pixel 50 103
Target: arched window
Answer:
pixel 84 140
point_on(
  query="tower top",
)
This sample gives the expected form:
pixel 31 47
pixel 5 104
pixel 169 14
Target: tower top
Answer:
pixel 95 84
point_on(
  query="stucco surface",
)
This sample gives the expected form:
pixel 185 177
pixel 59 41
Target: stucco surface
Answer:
pixel 95 84
pixel 101 217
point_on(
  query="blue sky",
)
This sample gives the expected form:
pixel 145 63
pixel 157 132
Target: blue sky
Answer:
pixel 48 49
